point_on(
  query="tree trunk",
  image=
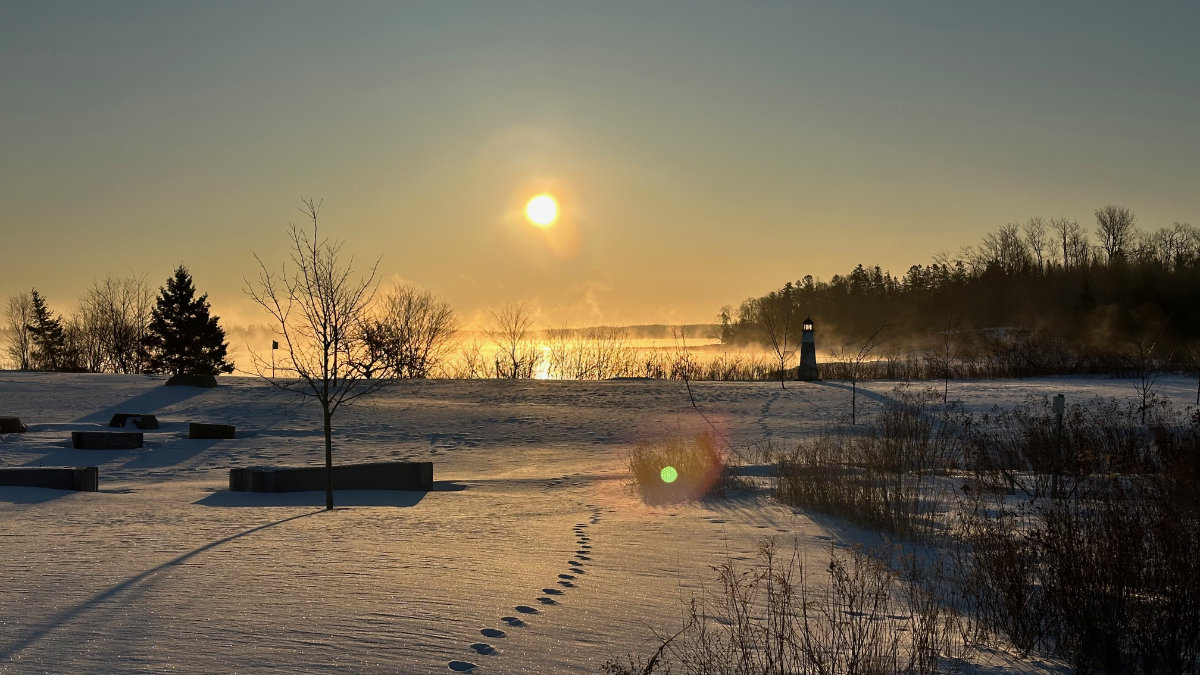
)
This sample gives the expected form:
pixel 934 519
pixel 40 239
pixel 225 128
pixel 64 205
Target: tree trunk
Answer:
pixel 853 402
pixel 328 457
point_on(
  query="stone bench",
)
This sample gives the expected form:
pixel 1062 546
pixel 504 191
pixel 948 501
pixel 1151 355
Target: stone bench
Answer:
pixel 374 476
pixel 84 478
pixel 140 421
pixel 197 430
pixel 11 425
pixel 106 440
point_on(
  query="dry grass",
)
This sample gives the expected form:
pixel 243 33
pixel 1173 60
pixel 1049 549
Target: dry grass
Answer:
pixel 677 469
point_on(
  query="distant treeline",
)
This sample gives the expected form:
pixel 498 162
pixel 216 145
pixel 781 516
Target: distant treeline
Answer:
pixel 1041 294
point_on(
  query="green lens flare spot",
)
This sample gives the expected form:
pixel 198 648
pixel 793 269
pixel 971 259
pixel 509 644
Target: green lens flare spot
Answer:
pixel 668 474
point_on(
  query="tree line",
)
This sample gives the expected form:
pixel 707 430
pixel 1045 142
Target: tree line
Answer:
pixel 1042 292
pixel 119 326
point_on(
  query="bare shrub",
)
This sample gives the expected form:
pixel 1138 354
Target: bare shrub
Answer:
pixel 1109 581
pixel 771 618
pixel 596 353
pixel 879 476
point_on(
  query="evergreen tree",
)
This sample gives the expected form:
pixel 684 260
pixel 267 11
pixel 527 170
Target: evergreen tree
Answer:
pixel 183 339
pixel 46 336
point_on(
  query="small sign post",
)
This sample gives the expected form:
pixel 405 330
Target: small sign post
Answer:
pixel 274 346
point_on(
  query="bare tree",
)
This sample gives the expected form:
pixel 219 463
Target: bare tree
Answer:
pixel 1146 367
pixel 112 322
pixel 412 333
pixel 854 359
pixel 947 352
pixel 19 317
pixel 1114 225
pixel 516 356
pixel 1004 249
pixel 1035 238
pixel 1074 242
pixel 320 310
pixel 775 314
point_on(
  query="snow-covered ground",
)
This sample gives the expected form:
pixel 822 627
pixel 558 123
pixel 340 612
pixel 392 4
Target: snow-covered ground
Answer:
pixel 530 555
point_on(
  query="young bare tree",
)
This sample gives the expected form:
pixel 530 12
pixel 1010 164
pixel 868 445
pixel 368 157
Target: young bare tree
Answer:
pixel 320 309
pixel 776 316
pixel 946 353
pixel 516 356
pixel 413 332
pixel 19 317
pixel 1147 367
pixel 854 358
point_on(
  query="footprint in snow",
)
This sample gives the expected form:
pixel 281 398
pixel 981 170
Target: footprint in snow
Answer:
pixel 513 621
pixel 483 648
pixel 526 609
pixel 567 584
pixel 568 577
pixel 552 591
pixel 493 632
pixel 548 601
pixel 462 666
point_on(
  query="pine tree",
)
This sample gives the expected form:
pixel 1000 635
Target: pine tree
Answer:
pixel 183 339
pixel 46 337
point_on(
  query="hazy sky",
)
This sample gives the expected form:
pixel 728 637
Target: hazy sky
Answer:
pixel 702 152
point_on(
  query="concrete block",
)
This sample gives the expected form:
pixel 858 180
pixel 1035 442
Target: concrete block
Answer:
pixel 140 421
pixel 373 476
pixel 208 381
pixel 83 478
pixel 196 430
pixel 11 425
pixel 106 440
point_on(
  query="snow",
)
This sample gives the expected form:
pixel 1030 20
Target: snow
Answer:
pixel 530 555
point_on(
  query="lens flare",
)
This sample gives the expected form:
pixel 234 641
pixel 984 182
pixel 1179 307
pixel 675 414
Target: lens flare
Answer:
pixel 668 474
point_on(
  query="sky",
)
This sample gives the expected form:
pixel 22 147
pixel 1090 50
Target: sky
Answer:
pixel 701 152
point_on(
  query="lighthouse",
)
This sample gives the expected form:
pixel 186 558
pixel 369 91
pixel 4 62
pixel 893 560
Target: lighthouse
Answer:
pixel 808 354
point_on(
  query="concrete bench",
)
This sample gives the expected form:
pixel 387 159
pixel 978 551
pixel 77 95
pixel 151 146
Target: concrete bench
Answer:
pixel 106 440
pixel 140 421
pixel 197 430
pixel 11 425
pixel 84 478
pixel 374 476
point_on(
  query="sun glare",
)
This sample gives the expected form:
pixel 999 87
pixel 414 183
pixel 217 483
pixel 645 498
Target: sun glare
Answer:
pixel 542 210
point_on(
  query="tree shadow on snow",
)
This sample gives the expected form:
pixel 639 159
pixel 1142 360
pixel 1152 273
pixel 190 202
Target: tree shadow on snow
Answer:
pixel 173 452
pixel 865 393
pixel 146 403
pixel 139 583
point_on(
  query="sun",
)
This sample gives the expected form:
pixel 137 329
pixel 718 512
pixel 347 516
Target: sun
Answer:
pixel 542 210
